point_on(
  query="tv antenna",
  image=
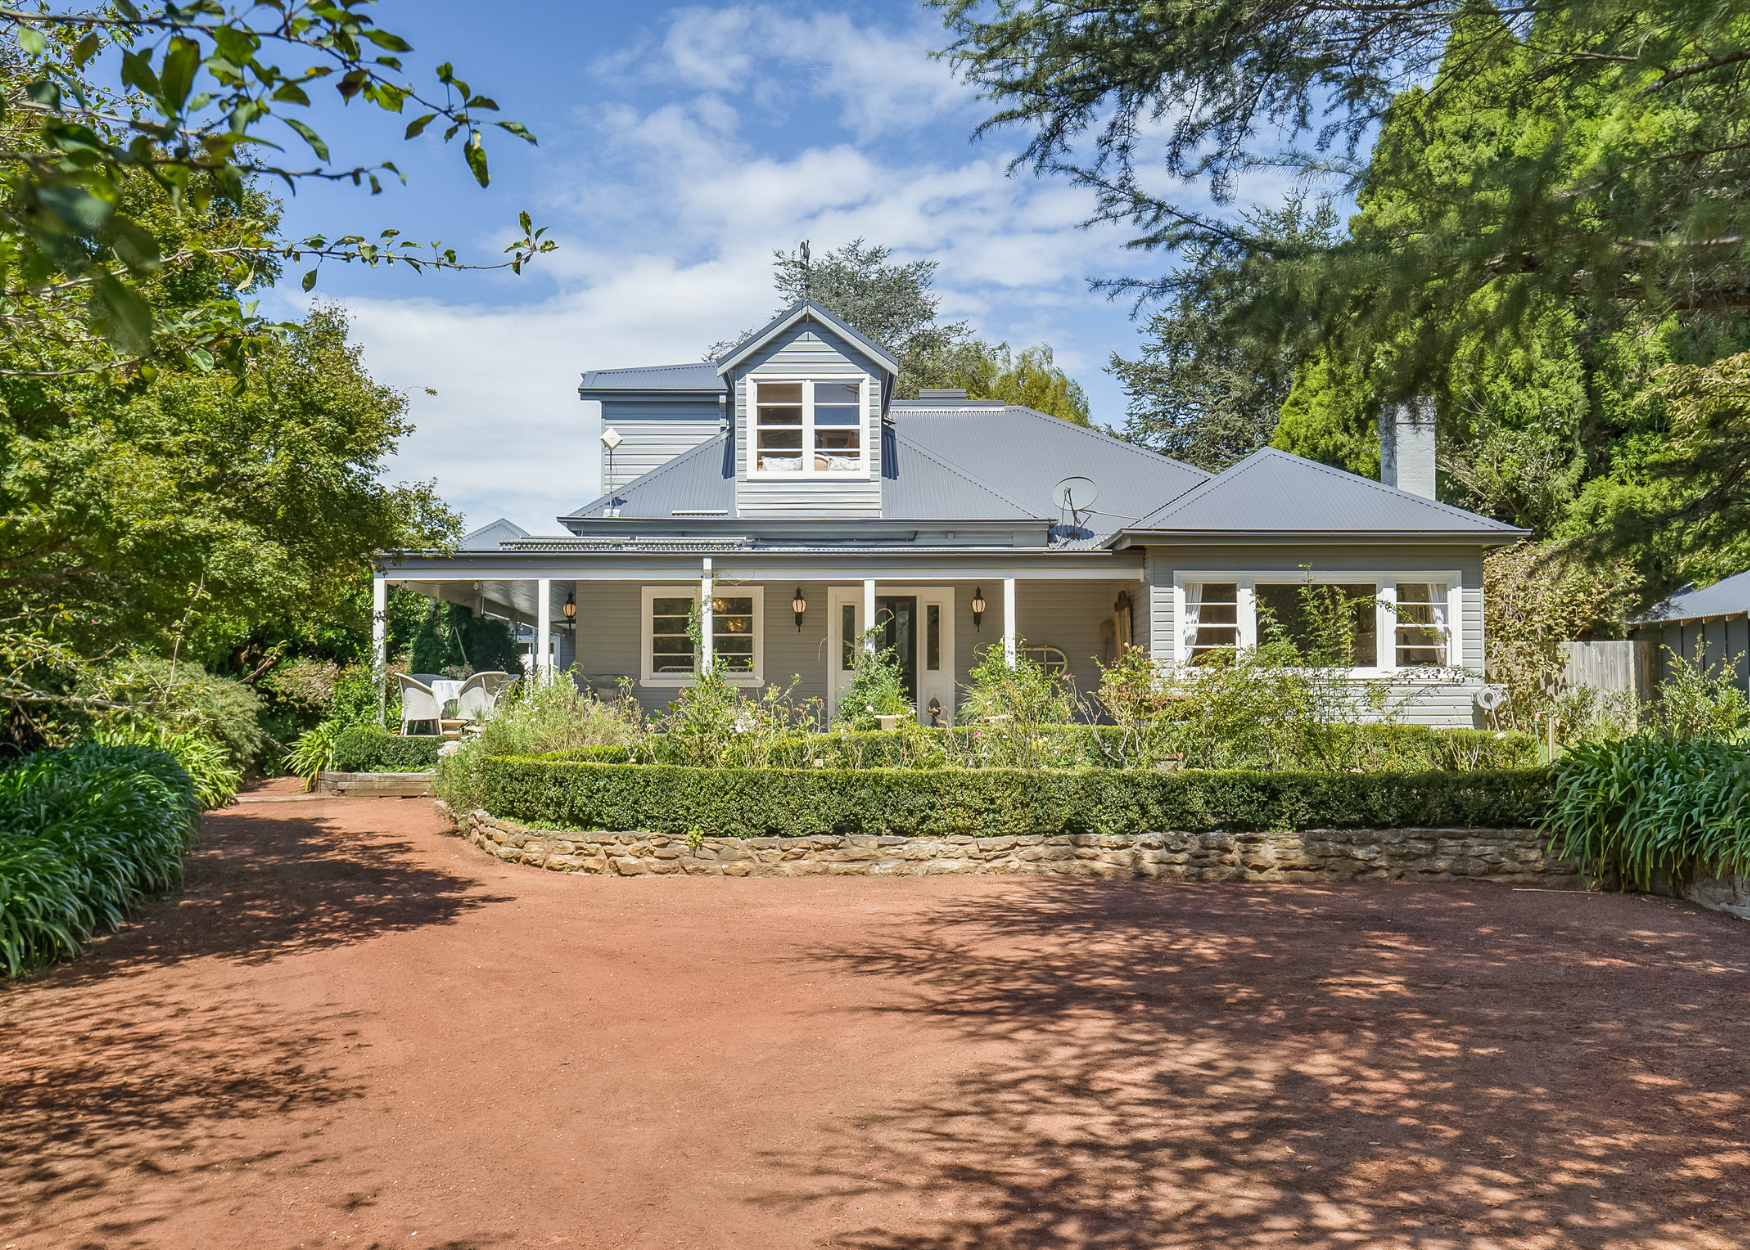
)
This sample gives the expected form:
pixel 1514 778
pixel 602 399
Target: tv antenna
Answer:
pixel 1075 495
pixel 611 439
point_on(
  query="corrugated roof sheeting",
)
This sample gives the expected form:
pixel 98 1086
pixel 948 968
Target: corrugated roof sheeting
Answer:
pixel 924 487
pixel 1726 597
pixel 490 535
pixel 689 377
pixel 1271 491
pixel 692 482
pixel 1020 454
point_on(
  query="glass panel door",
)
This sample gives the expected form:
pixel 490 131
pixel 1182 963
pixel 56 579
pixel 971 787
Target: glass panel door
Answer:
pixel 897 618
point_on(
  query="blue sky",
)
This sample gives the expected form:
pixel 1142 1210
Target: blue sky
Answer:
pixel 679 145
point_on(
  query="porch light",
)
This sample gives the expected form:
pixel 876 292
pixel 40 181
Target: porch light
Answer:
pixel 977 607
pixel 570 608
pixel 799 605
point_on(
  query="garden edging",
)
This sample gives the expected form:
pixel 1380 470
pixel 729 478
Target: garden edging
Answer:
pixel 1507 855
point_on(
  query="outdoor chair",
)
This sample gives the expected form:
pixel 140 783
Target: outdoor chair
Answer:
pixel 418 703
pixel 479 695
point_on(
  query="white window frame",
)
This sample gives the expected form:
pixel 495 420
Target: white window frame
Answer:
pixel 690 590
pixel 1385 624
pixel 864 384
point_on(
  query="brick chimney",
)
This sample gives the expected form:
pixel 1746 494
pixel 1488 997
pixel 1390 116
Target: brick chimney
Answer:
pixel 1406 446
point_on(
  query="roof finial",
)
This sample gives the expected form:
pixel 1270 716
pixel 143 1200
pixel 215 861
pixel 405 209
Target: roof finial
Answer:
pixel 807 275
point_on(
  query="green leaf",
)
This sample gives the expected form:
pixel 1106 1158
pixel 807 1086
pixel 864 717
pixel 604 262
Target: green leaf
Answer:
pixel 418 124
pixel 137 72
pixel 309 280
pixel 291 93
pixel 120 315
pixel 481 102
pixel 80 211
pixel 44 93
pixel 393 62
pixel 310 137
pixel 517 129
pixel 236 46
pixel 32 41
pixel 383 39
pixel 476 154
pixel 181 61
pixel 86 48
pixel 526 222
pixel 134 245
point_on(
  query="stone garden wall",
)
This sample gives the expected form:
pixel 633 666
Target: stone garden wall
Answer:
pixel 1513 856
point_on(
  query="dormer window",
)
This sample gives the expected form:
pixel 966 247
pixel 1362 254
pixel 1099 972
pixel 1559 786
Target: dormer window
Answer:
pixel 808 427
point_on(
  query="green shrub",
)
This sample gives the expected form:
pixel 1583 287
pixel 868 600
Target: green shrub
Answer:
pixel 731 802
pixel 1651 808
pixel 215 779
pixel 1370 748
pixel 85 834
pixel 371 749
pixel 181 698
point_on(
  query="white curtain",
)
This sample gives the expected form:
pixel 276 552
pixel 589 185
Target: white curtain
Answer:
pixel 1193 613
pixel 1437 605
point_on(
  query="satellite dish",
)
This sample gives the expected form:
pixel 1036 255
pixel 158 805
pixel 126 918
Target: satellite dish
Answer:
pixel 1075 494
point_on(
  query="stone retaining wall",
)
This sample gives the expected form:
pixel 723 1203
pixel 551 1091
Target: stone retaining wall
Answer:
pixel 1513 856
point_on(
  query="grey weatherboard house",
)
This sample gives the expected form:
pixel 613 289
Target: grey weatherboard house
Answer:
pixel 784 485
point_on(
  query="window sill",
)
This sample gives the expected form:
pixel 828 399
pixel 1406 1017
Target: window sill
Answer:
pixel 678 681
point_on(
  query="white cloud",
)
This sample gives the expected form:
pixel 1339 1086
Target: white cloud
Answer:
pixel 666 236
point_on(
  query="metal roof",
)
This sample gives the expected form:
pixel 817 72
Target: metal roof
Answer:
pixel 489 536
pixel 697 481
pixel 699 376
pixel 925 487
pixel 1020 454
pixel 804 310
pixel 1273 492
pixel 1727 597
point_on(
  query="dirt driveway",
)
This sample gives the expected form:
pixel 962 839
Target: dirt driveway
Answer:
pixel 353 1030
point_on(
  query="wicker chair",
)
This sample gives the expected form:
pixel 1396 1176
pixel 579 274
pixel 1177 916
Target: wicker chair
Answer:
pixel 480 695
pixel 418 702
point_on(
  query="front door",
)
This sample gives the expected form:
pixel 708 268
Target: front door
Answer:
pixel 916 622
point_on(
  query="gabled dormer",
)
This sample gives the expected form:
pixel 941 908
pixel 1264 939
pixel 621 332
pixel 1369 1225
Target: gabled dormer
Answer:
pixel 809 394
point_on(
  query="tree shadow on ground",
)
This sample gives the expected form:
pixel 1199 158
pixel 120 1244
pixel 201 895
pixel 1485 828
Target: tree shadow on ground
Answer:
pixel 159 1072
pixel 261 886
pixel 1160 1066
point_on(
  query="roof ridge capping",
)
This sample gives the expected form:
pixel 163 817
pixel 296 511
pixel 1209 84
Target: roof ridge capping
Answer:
pixel 804 310
pixel 1346 480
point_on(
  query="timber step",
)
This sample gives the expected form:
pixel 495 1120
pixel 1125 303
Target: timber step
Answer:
pixel 376 785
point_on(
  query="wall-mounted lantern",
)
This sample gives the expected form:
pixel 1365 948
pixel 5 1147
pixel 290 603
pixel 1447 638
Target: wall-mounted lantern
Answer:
pixel 978 606
pixel 799 605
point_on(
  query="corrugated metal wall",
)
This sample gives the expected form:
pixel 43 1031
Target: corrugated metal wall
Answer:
pixel 1722 640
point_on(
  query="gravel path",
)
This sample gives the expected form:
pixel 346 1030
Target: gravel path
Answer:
pixel 354 1030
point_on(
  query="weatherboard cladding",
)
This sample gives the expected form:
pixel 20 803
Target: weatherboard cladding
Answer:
pixel 1273 492
pixel 808 349
pixel 1453 705
pixel 693 481
pixel 802 312
pixel 650 440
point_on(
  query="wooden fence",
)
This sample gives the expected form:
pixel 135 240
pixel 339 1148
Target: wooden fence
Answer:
pixel 1613 665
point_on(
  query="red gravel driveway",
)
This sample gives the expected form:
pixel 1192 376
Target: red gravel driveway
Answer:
pixel 353 1030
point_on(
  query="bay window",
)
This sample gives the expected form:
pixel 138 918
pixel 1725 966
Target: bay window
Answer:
pixel 807 427
pixel 1366 624
pixel 737 635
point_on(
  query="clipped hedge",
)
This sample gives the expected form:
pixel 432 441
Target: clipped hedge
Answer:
pixel 1394 748
pixel 85 834
pixel 731 802
pixel 370 749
